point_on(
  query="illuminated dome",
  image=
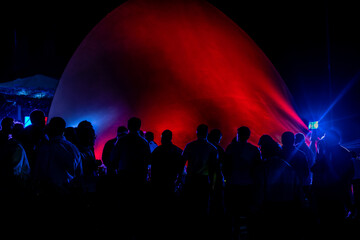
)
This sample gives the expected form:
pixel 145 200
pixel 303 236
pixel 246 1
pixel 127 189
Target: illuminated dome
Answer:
pixel 174 64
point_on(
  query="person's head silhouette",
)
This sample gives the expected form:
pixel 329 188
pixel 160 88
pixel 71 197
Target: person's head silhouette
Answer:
pixel 268 147
pixel 85 124
pixel 243 134
pixel 166 137
pixel 299 138
pixel 37 118
pixel 86 136
pixel 149 136
pixel 70 135
pixel 7 125
pixel 134 124
pixel 56 127
pixel 215 136
pixel 265 140
pixel 287 139
pixel 202 131
pixel 121 131
pixel 17 132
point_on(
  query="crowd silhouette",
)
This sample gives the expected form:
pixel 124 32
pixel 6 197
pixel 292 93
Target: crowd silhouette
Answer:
pixel 50 181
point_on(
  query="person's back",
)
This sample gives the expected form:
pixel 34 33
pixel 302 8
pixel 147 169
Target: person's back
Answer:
pixel 14 172
pixel 333 169
pixel 106 154
pixel 149 136
pixel 296 158
pixel 6 168
pixel 214 138
pixel 332 174
pixel 282 183
pixel 200 179
pixel 243 158
pixel 20 163
pixel 199 154
pixel 70 135
pixel 279 179
pixel 34 135
pixel 217 200
pixel 280 193
pixel 166 160
pixel 301 145
pixel 131 153
pixel 109 146
pixel 130 158
pixel 14 162
pixel 58 161
pixel 85 144
pixel 166 164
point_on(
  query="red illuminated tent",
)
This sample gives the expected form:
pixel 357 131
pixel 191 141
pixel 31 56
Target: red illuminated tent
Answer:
pixel 175 64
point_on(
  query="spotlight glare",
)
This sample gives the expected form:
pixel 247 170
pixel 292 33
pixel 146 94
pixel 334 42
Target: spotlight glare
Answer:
pixel 314 125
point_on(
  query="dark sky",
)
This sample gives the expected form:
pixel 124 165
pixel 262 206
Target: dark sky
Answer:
pixel 297 37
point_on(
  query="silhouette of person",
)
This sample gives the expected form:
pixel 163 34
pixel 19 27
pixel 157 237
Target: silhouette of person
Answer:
pixel 242 160
pixel 295 157
pixel 214 138
pixel 85 134
pixel 70 135
pixel 167 164
pixel 333 172
pixel 107 185
pixel 14 173
pixel 85 124
pixel 14 162
pixel 7 125
pixel 131 153
pixel 34 135
pixel 58 160
pixel 310 158
pixel 19 158
pixel 280 192
pixel 130 157
pixel 109 146
pixel 149 136
pixel 18 132
pixel 85 142
pixel 56 172
pixel 202 159
pixel 302 146
pixel 217 198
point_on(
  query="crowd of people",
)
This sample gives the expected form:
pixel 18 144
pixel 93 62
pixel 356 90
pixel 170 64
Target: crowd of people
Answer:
pixel 140 189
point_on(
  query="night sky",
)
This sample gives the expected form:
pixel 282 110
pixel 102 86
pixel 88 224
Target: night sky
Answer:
pixel 297 37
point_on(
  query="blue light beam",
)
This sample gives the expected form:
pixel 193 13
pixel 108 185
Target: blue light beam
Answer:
pixel 342 93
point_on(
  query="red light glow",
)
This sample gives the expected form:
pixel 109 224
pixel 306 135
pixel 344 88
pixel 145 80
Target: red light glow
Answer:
pixel 175 64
